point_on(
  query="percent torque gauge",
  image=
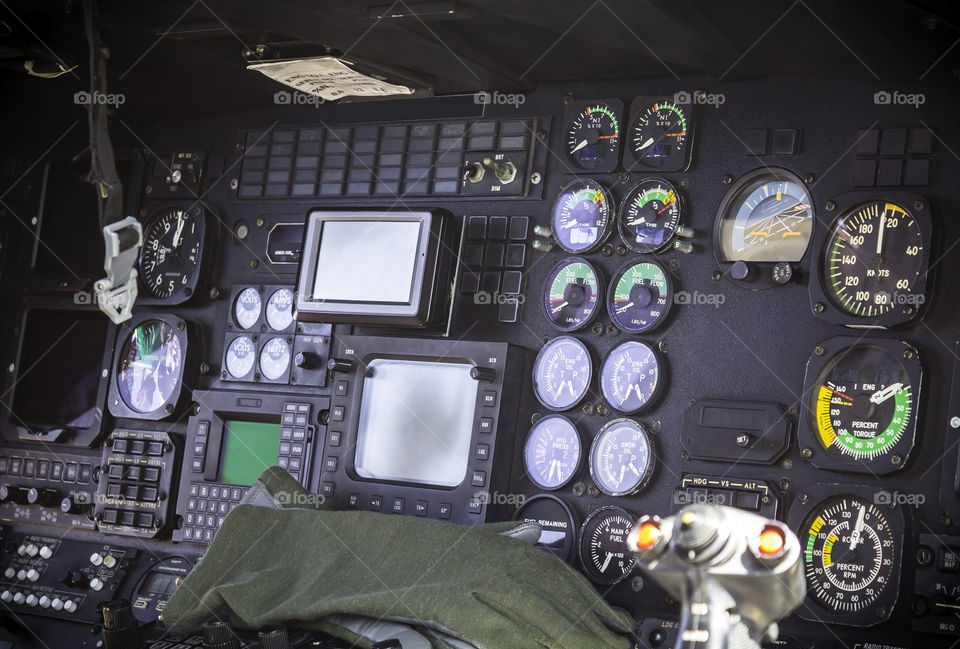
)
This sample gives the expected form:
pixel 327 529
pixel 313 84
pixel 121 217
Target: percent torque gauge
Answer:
pixel 562 373
pixel 639 297
pixel 874 263
pixel 659 136
pixel 602 547
pixel 593 135
pixel 571 296
pixel 650 215
pixel 582 216
pixel 621 458
pixel 630 378
pixel 861 415
pixel 551 454
pixel 851 557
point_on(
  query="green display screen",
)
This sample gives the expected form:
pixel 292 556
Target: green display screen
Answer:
pixel 249 447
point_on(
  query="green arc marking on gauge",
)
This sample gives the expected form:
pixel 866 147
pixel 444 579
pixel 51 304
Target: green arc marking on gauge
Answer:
pixel 683 118
pixel 609 113
pixel 635 275
pixel 875 446
pixel 568 275
pixel 655 194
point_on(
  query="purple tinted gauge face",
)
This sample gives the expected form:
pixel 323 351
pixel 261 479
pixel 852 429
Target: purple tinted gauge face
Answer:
pixel 562 373
pixel 630 377
pixel 552 452
pixel 620 458
pixel 150 366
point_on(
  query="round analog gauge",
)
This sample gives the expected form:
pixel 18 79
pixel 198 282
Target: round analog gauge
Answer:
pixel 766 216
pixel 247 307
pixel 593 137
pixel 275 358
pixel 630 377
pixel 863 404
pixel 848 555
pixel 151 366
pixel 659 136
pixel 170 256
pixel 551 454
pixel 562 373
pixel 572 294
pixel 280 309
pixel 639 297
pixel 650 215
pixel 621 458
pixel 602 546
pixel 873 259
pixel 582 216
pixel 241 357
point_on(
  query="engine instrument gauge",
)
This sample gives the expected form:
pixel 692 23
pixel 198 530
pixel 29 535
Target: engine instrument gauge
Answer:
pixel 630 377
pixel 170 257
pixel 572 294
pixel 873 260
pixel 280 309
pixel 275 358
pixel 861 413
pixel 593 136
pixel 650 215
pixel 621 458
pixel 241 357
pixel 551 454
pixel 582 216
pixel 639 297
pixel 562 373
pixel 150 368
pixel 766 216
pixel 848 554
pixel 247 307
pixel 659 136
pixel 602 546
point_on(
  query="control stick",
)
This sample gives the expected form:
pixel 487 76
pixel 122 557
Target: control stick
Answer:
pixel 734 573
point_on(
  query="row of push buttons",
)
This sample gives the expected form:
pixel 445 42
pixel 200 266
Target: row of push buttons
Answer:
pixel 46 469
pixel 207 506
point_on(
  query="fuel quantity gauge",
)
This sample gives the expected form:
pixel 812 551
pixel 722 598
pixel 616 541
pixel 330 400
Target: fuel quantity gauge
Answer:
pixel 572 294
pixel 602 546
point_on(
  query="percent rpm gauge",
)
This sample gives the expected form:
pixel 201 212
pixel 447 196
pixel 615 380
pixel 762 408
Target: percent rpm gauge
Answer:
pixel 551 454
pixel 650 215
pixel 593 136
pixel 621 458
pixel 863 403
pixel 572 294
pixel 630 377
pixel 562 373
pixel 874 260
pixel 582 216
pixel 659 136
pixel 639 297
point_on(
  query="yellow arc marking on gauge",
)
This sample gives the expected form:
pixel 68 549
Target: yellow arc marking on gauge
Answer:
pixel 791 234
pixel 817 524
pixel 824 424
pixel 827 549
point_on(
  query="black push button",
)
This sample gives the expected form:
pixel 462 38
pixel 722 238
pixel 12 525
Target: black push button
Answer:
pixel 420 508
pixel 482 451
pixel 755 141
pixel 489 398
pixel 785 141
pixel 864 173
pixel 486 425
pixel 890 173
pixel 479 479
pixel 445 510
pixel 398 505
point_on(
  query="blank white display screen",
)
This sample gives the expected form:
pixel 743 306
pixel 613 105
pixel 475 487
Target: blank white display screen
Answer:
pixel 366 261
pixel 416 421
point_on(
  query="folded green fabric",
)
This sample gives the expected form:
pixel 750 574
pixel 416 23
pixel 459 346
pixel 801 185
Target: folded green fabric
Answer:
pixel 304 567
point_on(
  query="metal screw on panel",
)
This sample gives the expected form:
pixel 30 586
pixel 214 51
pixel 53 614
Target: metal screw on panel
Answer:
pixel 803 498
pixel 260 223
pixel 579 489
pixel 148 189
pixel 254 263
pixel 896 459
pixel 204 368
pixel 765 500
pixel 607 250
pixel 621 250
pixel 602 410
pixel 955 422
pixel 587 408
pixel 716 275
pixel 536 178
pixel 882 611
pixel 920 205
pixel 636 584
pixel 216 293
pixel 909 354
pixel 567 98
pixel 674 264
pixel 597 329
pixel 541 135
pixel 727 179
pixel 818 307
pixel 624 177
pixel 612 330
pixel 809 178
pixel 169 408
pixel 684 455
pixel 909 310
pixel 234 184
pixel 831 205
pixel 784 484
pixel 924 556
pixel 819 350
pixel 788 464
pixel 807 453
pixel 593 491
pixel 535 417
pixel 663 345
pixel 104 373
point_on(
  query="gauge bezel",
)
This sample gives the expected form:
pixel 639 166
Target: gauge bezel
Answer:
pixel 617 276
pixel 571 111
pixel 625 206
pixel 261 347
pixel 539 359
pixel 648 468
pixel 177 399
pixel 254 338
pixel 607 227
pixel 822 303
pixel 812 498
pixel 234 321
pixel 760 176
pixel 187 292
pixel 832 351
pixel 546 292
pixel 637 106
pixel 661 377
pixel 581 539
pixel 576 469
